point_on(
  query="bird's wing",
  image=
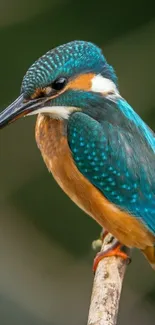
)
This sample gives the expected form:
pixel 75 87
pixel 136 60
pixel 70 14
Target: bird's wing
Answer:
pixel 119 160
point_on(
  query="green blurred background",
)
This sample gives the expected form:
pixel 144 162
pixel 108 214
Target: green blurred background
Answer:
pixel 45 240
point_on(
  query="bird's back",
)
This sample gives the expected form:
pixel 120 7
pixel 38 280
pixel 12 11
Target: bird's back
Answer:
pixel 117 155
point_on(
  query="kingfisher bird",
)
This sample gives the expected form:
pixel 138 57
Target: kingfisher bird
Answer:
pixel 99 150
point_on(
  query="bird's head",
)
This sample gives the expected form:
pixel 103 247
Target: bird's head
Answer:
pixel 62 81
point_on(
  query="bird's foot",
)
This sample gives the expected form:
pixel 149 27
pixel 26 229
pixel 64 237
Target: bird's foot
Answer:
pixel 116 249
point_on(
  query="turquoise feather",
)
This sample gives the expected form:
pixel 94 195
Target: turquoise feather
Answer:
pixel 117 157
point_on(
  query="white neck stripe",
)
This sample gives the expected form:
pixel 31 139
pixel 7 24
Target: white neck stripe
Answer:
pixel 104 86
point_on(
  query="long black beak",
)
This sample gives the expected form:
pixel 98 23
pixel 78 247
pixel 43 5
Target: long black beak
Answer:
pixel 18 109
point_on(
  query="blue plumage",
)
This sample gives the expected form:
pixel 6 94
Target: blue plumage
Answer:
pixel 115 152
pixel 66 60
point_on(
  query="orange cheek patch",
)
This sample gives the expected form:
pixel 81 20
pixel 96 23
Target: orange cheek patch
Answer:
pixel 82 82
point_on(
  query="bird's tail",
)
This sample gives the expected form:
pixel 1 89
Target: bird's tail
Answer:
pixel 149 253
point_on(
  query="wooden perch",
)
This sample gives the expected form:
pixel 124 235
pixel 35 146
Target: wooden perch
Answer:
pixel 107 287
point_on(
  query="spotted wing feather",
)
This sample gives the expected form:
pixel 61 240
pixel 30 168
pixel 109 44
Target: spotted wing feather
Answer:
pixel 118 160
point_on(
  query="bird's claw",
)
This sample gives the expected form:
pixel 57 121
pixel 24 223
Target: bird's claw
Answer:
pixel 115 250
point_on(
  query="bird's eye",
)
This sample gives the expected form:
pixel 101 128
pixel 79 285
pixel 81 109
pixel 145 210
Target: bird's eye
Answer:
pixel 59 83
pixel 50 90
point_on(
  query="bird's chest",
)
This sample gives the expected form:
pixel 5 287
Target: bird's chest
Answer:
pixel 52 142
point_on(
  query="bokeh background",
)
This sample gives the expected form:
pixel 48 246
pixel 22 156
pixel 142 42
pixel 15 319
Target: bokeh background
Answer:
pixel 45 240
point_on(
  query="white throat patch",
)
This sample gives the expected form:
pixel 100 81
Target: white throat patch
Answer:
pixel 56 112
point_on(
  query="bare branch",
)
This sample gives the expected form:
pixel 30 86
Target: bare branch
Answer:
pixel 107 287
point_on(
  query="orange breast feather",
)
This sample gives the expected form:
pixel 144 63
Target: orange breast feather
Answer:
pixel 52 142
